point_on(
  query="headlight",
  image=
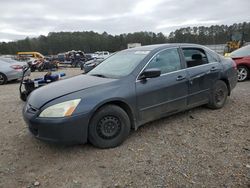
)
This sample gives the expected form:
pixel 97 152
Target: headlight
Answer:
pixel 63 109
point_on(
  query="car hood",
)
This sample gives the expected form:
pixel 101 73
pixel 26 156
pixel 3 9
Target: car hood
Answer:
pixel 47 93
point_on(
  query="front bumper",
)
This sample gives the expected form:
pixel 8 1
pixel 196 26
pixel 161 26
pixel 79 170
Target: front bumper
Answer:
pixel 68 130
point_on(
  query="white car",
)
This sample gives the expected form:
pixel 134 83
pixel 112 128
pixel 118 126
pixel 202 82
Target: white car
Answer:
pixel 101 55
pixel 11 69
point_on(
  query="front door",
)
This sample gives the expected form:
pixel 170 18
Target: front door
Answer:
pixel 157 97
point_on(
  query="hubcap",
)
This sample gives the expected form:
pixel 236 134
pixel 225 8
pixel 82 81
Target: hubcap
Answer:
pixel 242 74
pixel 108 127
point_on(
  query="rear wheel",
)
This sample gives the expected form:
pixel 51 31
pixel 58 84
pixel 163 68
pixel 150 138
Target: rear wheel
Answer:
pixel 218 95
pixel 109 127
pixel 243 73
pixel 3 79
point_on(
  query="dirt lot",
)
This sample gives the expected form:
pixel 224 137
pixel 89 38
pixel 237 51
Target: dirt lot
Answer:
pixel 197 148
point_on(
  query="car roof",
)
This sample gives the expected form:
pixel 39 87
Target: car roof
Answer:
pixel 160 46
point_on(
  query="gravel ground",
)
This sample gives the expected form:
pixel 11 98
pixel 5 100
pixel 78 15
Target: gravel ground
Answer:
pixel 196 148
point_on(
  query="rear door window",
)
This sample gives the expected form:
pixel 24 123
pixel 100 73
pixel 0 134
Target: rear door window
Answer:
pixel 195 57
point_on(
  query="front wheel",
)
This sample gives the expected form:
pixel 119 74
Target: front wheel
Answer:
pixel 109 127
pixel 243 73
pixel 218 95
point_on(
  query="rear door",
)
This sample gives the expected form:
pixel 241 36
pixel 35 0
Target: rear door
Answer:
pixel 203 69
pixel 165 94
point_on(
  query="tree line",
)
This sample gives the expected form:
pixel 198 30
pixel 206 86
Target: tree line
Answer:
pixel 90 41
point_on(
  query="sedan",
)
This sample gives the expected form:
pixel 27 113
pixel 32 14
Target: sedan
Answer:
pixel 89 65
pixel 127 90
pixel 242 59
pixel 10 70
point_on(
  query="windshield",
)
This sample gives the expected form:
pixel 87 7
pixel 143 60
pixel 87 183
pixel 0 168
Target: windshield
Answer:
pixel 119 65
pixel 242 52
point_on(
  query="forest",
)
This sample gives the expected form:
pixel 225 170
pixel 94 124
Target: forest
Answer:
pixel 90 41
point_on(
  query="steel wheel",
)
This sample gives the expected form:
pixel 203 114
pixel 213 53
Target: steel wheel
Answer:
pixel 220 95
pixel 242 73
pixel 108 127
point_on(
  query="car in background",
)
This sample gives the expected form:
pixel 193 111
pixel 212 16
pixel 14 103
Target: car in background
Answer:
pixel 11 69
pixel 242 59
pixel 127 90
pixel 89 65
pixel 61 57
pixel 101 54
pixel 89 56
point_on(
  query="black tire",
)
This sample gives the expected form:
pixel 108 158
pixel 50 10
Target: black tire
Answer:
pixel 109 127
pixel 219 95
pixel 3 79
pixel 243 73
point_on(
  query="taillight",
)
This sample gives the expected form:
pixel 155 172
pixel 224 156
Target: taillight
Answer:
pixel 17 67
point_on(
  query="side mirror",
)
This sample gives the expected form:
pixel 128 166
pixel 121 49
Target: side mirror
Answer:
pixel 150 73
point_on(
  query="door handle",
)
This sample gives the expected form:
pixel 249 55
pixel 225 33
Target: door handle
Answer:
pixel 213 69
pixel 179 78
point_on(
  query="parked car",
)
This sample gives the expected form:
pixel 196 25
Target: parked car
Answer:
pixel 10 69
pixel 127 90
pixel 89 65
pixel 89 57
pixel 242 59
pixel 61 57
pixel 101 55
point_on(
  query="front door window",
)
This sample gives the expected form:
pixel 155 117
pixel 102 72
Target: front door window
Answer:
pixel 167 61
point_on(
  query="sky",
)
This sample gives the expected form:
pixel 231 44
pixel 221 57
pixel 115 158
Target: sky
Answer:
pixel 30 18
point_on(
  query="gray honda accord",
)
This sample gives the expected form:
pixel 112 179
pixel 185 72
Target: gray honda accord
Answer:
pixel 127 90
